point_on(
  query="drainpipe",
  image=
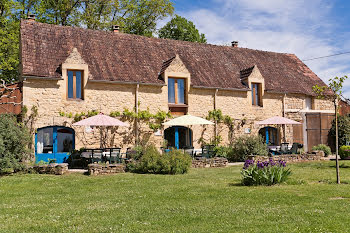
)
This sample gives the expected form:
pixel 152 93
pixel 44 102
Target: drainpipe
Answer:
pixel 137 111
pixel 215 106
pixel 284 115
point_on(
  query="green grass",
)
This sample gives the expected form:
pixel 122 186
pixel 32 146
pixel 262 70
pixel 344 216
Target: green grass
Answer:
pixel 204 200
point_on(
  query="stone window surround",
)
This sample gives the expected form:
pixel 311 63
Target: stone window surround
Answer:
pixel 65 67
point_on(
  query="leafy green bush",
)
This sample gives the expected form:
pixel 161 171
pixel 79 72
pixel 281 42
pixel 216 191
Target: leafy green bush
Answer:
pixel 14 140
pixel 264 173
pixel 245 146
pixel 222 151
pixel 344 152
pixel 343 130
pixel 152 161
pixel 326 149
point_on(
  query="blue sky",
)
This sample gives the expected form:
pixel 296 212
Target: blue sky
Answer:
pixel 307 28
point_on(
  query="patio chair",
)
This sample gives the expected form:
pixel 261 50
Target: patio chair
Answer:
pixel 114 155
pixel 284 148
pixel 96 155
pixel 294 149
pixel 208 151
pixel 189 150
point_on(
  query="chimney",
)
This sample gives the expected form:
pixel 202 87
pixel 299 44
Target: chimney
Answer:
pixel 116 28
pixel 234 44
pixel 31 17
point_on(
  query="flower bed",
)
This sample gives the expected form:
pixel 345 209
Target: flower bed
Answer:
pixel 264 172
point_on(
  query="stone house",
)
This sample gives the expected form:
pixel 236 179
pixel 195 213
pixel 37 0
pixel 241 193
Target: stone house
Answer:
pixel 72 70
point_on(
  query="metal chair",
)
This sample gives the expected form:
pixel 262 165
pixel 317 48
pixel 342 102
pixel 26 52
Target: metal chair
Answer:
pixel 114 155
pixel 284 148
pixel 96 155
pixel 208 151
pixel 189 151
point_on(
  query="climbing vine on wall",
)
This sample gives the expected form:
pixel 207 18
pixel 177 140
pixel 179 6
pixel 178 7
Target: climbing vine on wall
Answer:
pixel 222 120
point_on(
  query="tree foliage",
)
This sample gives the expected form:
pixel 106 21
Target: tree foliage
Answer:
pixel 180 28
pixel 343 130
pixel 134 16
pixel 14 140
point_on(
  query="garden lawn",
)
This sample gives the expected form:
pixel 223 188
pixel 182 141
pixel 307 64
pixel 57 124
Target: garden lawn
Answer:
pixel 204 200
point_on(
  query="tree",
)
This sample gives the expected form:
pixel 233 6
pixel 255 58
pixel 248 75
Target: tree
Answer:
pixel 333 92
pixel 343 123
pixel 9 41
pixel 134 16
pixel 180 28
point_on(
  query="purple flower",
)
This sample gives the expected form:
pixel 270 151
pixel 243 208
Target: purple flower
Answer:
pixel 260 164
pixel 247 163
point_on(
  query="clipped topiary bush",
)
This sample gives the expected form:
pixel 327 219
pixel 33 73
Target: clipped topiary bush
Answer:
pixel 344 152
pixel 326 149
pixel 152 161
pixel 14 140
pixel 245 146
pixel 264 173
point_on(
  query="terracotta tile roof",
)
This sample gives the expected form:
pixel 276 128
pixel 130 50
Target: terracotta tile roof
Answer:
pixel 246 72
pixel 132 58
pixel 166 64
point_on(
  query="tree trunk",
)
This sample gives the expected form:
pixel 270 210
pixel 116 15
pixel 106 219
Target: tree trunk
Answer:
pixel 336 140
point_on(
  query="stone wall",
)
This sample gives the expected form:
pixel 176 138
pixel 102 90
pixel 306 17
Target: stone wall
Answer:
pixel 102 169
pixel 292 158
pixel 107 97
pixel 212 162
pixel 54 168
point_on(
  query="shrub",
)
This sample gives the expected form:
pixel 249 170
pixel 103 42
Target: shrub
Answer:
pixel 152 161
pixel 222 151
pixel 245 146
pixel 264 173
pixel 326 149
pixel 343 130
pixel 344 152
pixel 14 140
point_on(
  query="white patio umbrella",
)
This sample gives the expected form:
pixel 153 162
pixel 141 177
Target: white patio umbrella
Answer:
pixel 101 120
pixel 187 120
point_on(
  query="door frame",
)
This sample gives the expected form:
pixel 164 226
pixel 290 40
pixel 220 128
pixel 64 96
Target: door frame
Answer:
pixel 59 157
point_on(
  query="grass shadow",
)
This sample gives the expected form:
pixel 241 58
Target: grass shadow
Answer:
pixel 235 184
pixel 340 166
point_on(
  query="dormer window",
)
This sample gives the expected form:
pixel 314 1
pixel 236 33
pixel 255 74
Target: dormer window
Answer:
pixel 75 84
pixel 176 91
pixel 256 94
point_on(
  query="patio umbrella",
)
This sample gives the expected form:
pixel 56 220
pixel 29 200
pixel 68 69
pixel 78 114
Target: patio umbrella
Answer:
pixel 101 120
pixel 187 120
pixel 277 120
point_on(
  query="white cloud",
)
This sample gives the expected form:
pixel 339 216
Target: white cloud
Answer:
pixel 300 27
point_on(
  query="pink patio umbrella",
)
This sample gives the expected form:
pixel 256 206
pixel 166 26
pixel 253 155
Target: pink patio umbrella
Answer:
pixel 277 120
pixel 100 121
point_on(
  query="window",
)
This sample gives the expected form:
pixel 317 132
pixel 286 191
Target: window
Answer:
pixel 256 94
pixel 75 84
pixel 176 91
